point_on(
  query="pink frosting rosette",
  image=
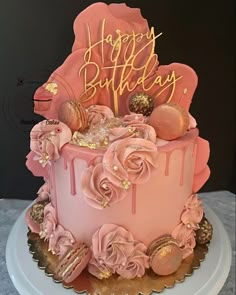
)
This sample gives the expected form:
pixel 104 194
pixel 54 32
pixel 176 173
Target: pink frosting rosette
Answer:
pixel 43 192
pixel 133 119
pixel 192 122
pixel 130 160
pixel 136 263
pixel 99 113
pixel 193 212
pixel 60 241
pixel 185 237
pixel 49 223
pixel 115 250
pixel 135 131
pixel 99 192
pixel 47 138
pixel 99 269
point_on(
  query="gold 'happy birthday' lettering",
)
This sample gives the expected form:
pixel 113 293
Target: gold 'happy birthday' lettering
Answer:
pixel 128 57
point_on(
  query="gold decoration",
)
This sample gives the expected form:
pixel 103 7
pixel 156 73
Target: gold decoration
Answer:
pixel 111 64
pixel 37 211
pixel 150 282
pixel 52 88
pixel 205 232
pixel 141 103
pixel 44 159
pixel 125 184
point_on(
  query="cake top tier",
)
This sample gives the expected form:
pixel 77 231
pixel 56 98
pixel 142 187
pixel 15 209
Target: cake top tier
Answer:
pixel 113 58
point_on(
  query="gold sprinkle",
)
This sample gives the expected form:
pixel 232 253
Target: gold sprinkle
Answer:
pixel 115 168
pixel 44 158
pixel 125 184
pixel 105 274
pixel 185 90
pixel 131 129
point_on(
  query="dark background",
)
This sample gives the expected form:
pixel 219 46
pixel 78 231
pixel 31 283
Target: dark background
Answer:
pixel 36 37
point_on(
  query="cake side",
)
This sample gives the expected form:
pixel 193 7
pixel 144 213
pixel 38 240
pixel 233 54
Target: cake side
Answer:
pixel 148 211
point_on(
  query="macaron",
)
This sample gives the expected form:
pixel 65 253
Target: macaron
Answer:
pixel 169 120
pixel 73 114
pixel 73 263
pixel 165 255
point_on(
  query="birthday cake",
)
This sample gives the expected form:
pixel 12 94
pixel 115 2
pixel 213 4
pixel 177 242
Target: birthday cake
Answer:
pixel 119 152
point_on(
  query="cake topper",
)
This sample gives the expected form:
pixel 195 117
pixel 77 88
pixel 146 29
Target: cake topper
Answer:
pixel 112 59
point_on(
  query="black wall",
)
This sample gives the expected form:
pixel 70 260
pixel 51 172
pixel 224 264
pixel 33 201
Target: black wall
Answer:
pixel 36 36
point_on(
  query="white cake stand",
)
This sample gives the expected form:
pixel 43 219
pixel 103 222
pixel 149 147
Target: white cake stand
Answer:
pixel 29 280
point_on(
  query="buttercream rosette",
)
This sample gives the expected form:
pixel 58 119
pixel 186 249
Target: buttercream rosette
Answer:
pixel 115 250
pixel 191 216
pixel 193 212
pixel 43 192
pixel 48 226
pixel 130 161
pixel 47 138
pixel 60 241
pixel 99 191
pixel 98 114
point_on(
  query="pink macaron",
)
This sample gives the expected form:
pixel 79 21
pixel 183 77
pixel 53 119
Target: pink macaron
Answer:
pixel 165 255
pixel 169 120
pixel 73 263
pixel 74 115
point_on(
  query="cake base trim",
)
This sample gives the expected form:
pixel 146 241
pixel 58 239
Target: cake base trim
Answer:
pixel 115 285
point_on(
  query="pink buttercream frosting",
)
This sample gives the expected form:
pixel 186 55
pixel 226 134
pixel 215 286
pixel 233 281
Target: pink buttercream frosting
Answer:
pixel 33 226
pixel 60 241
pixel 115 250
pixel 192 122
pixel 47 138
pixel 48 226
pixel 186 239
pixel 99 113
pixel 193 212
pixel 99 269
pixel 184 233
pixel 133 119
pixel 138 130
pixel 99 192
pixel 136 264
pixel 130 160
pixel 43 192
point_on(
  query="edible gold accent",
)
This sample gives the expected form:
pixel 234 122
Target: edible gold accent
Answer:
pixel 52 88
pixel 128 70
pixel 205 231
pixel 125 184
pixel 105 274
pixel 44 158
pixel 141 103
pixel 150 282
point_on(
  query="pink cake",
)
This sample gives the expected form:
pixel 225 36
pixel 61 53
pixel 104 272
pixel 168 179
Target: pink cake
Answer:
pixel 119 151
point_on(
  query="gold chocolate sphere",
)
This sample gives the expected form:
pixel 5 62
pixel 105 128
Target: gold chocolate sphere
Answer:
pixel 141 103
pixel 205 232
pixel 37 211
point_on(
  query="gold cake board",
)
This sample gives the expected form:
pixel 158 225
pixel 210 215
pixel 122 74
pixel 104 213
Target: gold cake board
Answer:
pixel 28 279
pixel 115 285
